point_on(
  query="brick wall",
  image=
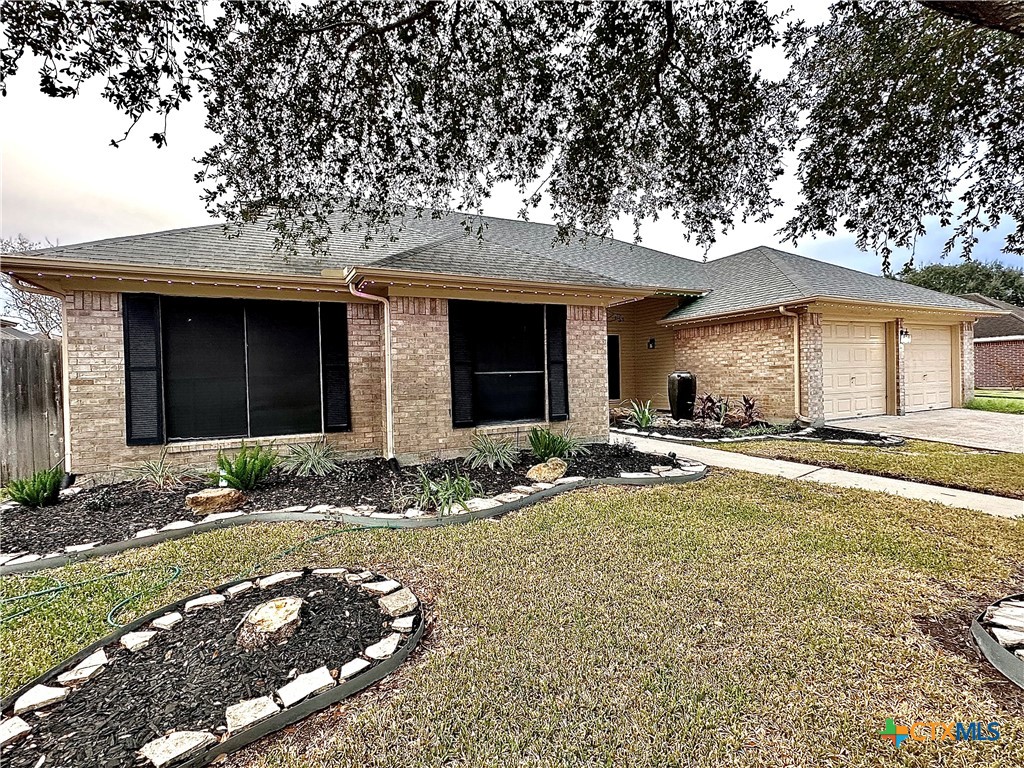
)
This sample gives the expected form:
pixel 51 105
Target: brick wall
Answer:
pixel 94 345
pixel 422 380
pixel 999 364
pixel 749 357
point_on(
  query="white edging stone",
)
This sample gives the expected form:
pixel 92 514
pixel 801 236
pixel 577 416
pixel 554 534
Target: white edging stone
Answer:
pixel 352 668
pixel 136 641
pixel 278 578
pixel 177 525
pixel 38 697
pixel 176 746
pixel 385 648
pixel 85 669
pixel 246 713
pixel 12 729
pixel 206 601
pixel 238 589
pixel 403 624
pixel 304 686
pixel 167 621
pixel 381 588
pixel 398 603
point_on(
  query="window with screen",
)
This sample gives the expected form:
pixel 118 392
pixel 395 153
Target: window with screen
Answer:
pixel 499 360
pixel 224 368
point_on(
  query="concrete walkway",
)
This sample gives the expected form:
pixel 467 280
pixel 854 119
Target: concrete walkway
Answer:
pixel 958 426
pixel 982 502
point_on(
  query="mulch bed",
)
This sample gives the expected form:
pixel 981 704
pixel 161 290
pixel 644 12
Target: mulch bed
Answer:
pixel 116 512
pixel 187 676
pixel 699 431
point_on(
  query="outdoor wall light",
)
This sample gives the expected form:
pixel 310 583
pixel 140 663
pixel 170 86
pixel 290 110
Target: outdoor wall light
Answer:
pixel 650 343
pixel 904 336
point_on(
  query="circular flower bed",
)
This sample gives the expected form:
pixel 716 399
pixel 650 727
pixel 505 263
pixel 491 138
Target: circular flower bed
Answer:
pixel 214 672
pixel 999 633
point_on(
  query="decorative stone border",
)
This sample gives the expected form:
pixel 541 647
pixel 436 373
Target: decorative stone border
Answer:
pixel 678 471
pixel 247 721
pixel 807 435
pixel 999 634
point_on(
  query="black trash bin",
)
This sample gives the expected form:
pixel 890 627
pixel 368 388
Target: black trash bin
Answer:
pixel 682 391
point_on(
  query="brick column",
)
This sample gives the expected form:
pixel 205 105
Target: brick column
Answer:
pixel 586 336
pixel 901 372
pixel 812 393
pixel 966 361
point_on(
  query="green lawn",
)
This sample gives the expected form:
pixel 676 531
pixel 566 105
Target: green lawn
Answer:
pixel 925 462
pixel 998 400
pixel 741 621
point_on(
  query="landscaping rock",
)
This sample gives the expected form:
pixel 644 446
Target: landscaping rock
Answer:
pixel 567 480
pixel 358 578
pixel 222 516
pixel 206 601
pixel 352 668
pixel 270 623
pixel 398 603
pixel 542 486
pixel 658 469
pixel 210 500
pixel 525 490
pixel 548 472
pixel 381 588
pixel 176 746
pixel 508 498
pixel 12 729
pixel 136 641
pixel 1008 638
pixel 85 669
pixel 177 525
pixel 38 697
pixel 239 589
pixel 636 475
pixel 403 624
pixel 31 558
pixel 478 505
pixel 146 532
pixel 413 513
pixel 76 548
pixel 320 509
pixel 334 572
pixel 306 685
pixel 385 648
pixel 167 621
pixel 240 716
pixel 279 578
pixel 6 558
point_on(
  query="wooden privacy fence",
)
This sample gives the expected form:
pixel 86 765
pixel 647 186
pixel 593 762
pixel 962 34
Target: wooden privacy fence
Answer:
pixel 31 411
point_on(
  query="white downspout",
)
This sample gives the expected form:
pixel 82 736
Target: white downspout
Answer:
pixel 796 362
pixel 389 415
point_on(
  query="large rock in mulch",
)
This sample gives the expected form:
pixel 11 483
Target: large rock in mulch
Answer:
pixel 270 623
pixel 548 472
pixel 211 500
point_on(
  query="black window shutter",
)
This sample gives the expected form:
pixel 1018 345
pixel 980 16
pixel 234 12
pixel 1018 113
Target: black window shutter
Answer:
pixel 334 359
pixel 558 369
pixel 460 355
pixel 144 410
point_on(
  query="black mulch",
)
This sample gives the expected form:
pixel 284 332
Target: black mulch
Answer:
pixel 115 512
pixel 187 676
pixel 697 430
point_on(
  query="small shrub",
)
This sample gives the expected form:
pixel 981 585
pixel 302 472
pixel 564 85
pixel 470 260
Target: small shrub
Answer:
pixel 40 490
pixel 546 444
pixel 160 473
pixel 750 412
pixel 247 469
pixel 710 408
pixel 318 458
pixel 444 493
pixel 485 449
pixel 641 415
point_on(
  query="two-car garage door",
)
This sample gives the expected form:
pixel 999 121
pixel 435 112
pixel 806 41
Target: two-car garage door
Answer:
pixel 854 363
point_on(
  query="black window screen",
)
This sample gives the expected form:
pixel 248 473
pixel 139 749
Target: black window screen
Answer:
pixel 502 347
pixel 614 391
pixel 204 368
pixel 283 341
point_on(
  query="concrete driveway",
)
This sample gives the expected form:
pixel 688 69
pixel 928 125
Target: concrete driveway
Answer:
pixel 959 426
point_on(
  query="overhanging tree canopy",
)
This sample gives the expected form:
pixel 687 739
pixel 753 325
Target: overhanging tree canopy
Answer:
pixel 630 108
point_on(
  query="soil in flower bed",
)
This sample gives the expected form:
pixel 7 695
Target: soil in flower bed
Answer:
pixel 700 431
pixel 187 676
pixel 116 512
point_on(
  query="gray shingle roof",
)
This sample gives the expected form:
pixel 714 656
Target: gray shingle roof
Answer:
pixel 994 327
pixel 516 250
pixel 764 276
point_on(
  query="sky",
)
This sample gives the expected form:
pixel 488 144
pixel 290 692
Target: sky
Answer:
pixel 61 181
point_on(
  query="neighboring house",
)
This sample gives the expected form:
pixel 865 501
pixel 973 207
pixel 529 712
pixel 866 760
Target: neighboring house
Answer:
pixel 189 340
pixel 9 330
pixel 998 345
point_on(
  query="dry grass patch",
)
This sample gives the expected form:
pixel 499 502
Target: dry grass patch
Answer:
pixel 739 621
pixel 937 463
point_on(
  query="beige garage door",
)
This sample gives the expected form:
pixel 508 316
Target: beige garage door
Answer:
pixel 853 368
pixel 928 365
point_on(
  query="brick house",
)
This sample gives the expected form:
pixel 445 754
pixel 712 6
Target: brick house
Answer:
pixel 190 342
pixel 998 346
